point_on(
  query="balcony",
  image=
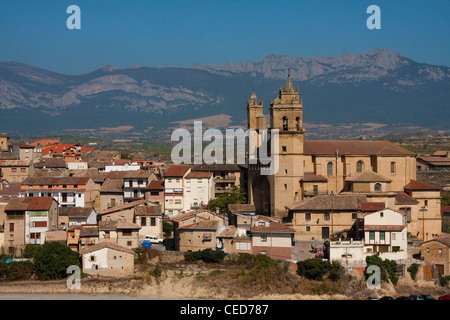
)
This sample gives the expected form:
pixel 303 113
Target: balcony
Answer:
pixel 225 179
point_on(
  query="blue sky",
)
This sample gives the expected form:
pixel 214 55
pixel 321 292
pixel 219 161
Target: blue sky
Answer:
pixel 184 32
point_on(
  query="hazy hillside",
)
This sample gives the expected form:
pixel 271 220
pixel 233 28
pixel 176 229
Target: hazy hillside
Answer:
pixel 376 86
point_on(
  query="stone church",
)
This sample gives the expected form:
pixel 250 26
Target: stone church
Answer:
pixel 317 167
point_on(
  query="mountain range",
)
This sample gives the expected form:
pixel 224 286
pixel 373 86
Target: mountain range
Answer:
pixel 378 86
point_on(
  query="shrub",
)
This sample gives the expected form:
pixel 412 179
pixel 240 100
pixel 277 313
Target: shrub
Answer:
pixel 19 270
pixel 31 250
pixel 207 255
pixel 52 260
pixel 157 271
pixel 413 269
pixel 313 269
pixel 443 281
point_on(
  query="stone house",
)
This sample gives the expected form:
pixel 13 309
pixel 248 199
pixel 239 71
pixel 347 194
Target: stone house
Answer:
pixel 436 252
pixel 197 236
pixel 108 259
pixel 323 216
pixel 150 220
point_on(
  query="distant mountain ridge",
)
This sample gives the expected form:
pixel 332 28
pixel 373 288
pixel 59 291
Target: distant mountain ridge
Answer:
pixel 375 86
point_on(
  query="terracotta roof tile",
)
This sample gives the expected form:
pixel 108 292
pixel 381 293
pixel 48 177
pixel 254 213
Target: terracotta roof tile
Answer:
pixel 176 170
pixel 416 185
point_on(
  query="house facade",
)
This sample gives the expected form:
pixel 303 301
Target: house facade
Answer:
pixel 272 238
pixel 107 259
pixel 68 191
pixel 198 190
pixel 174 189
pixel 27 220
pixel 436 252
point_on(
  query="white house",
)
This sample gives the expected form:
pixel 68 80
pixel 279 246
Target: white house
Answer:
pixel 198 189
pixel 174 188
pixel 385 232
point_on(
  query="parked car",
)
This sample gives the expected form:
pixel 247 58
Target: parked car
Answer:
pixel 386 298
pixel 371 298
pixel 415 297
pixel 444 297
pixel 427 297
pixel 402 298
pixel 153 239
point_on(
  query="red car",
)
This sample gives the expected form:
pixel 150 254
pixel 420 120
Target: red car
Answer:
pixel 444 297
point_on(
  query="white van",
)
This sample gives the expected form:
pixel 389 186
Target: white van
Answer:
pixel 153 239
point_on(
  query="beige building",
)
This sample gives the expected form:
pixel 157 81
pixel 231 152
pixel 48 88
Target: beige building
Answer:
pixel 149 218
pixel 198 236
pixel 15 171
pixel 305 165
pixel 4 143
pixel 428 223
pixel 107 259
pixel 324 215
pixel 436 252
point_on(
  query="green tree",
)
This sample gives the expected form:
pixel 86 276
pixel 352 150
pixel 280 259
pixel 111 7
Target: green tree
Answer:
pixel 316 269
pixel 167 228
pixel 236 196
pixel 52 260
pixel 31 250
pixel 386 266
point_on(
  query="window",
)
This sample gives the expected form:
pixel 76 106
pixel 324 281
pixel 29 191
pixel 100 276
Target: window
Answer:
pixel 35 235
pixel 243 245
pixel 426 202
pixel 308 216
pixel 153 222
pixel 392 167
pixel 394 236
pixel 382 235
pixel 11 227
pixel 143 221
pixel 377 187
pixel 263 237
pixel 13 169
pixel 285 123
pixel 372 235
pixel 329 169
pixel 297 123
pixel 308 228
pixel 354 216
pixel 126 233
pixel 381 214
pixel 154 193
pixel 285 187
pixel 23 169
pixel 315 189
pixel 129 243
pixel 284 148
pixel 359 166
pixel 326 216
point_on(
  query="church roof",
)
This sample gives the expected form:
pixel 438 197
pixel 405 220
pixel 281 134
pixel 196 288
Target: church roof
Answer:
pixel 417 185
pixel 354 147
pixel 329 203
pixel 369 176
